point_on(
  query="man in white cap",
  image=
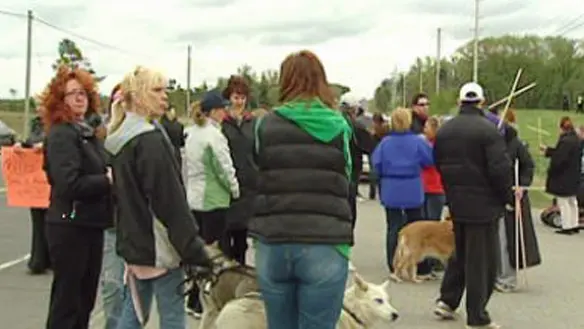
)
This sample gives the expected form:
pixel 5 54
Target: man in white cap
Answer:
pixel 471 156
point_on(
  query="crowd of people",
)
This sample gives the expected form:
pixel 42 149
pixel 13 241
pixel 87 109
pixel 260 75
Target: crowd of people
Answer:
pixel 135 195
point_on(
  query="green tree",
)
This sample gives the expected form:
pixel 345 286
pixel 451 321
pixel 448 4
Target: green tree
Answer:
pixel 70 54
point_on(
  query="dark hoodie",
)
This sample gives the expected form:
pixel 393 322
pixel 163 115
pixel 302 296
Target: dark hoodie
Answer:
pixel 155 226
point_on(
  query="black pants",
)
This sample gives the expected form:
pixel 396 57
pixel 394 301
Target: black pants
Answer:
pixel 76 254
pixel 39 251
pixel 353 192
pixel 212 226
pixel 474 267
pixel 236 240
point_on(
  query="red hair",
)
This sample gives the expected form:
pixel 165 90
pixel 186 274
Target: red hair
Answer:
pixel 302 76
pixel 53 101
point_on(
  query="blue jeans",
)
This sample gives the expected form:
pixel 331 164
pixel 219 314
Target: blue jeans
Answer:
pixel 396 220
pixel 169 300
pixel 433 205
pixel 111 281
pixel 302 285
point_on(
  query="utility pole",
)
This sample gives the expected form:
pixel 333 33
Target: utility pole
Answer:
pixel 438 58
pixel 27 76
pixel 421 75
pixel 403 78
pixel 188 90
pixel 475 71
pixel 395 81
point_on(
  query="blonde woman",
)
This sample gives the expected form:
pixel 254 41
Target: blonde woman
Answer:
pixel 210 175
pixel 398 161
pixel 156 231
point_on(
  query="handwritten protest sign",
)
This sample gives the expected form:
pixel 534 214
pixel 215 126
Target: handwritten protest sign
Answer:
pixel 26 182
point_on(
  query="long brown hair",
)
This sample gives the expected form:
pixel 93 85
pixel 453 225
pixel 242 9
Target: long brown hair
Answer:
pixel 53 102
pixel 302 76
pixel 236 84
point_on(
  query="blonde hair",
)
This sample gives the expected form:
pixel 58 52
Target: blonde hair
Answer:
pixel 197 115
pixel 135 86
pixel 401 119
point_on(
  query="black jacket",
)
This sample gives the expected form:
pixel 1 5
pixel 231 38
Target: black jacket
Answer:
pixel 563 176
pixel 418 123
pixel 176 132
pixel 239 136
pixel 302 187
pixel 362 142
pixel 154 224
pixel 76 171
pixel 517 150
pixel 471 156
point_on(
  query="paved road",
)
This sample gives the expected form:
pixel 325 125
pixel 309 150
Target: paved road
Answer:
pixel 554 298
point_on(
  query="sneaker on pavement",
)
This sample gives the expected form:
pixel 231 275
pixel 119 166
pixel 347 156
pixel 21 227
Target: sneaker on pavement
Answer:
pixel 491 325
pixel 443 311
pixel 504 288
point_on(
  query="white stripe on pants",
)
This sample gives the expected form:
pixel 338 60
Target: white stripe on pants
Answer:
pixel 569 211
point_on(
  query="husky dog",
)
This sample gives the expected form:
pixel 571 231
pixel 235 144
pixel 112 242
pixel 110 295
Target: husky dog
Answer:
pixel 419 240
pixel 365 305
pixel 231 280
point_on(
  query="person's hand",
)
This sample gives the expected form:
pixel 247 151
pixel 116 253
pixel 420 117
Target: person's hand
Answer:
pixel 17 147
pixel 109 175
pixel 542 148
pixel 519 193
pixel 38 147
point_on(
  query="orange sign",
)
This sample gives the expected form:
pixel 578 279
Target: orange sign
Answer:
pixel 25 179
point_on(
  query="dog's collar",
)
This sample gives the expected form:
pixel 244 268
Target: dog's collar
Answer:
pixel 353 316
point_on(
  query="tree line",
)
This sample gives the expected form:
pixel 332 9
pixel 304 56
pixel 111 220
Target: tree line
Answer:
pixel 555 63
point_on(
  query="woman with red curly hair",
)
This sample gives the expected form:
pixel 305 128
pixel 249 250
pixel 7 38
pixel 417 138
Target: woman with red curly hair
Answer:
pixel 238 128
pixel 80 203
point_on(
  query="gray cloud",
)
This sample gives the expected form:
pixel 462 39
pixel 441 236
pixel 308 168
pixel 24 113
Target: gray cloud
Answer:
pixel 315 34
pixel 208 3
pixel 465 8
pixel 302 31
pixel 517 23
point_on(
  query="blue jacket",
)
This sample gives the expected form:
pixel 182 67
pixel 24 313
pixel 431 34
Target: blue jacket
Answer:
pixel 398 160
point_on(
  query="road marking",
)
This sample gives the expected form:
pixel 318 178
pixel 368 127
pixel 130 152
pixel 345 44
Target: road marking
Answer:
pixel 14 262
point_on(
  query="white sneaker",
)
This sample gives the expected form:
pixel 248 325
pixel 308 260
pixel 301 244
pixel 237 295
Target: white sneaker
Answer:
pixel 444 312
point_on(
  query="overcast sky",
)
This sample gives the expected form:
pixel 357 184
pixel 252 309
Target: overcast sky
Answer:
pixel 360 42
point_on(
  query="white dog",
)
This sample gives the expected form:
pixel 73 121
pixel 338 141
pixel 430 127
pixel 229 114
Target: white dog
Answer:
pixel 365 305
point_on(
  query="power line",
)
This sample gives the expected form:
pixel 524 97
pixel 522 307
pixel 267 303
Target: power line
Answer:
pixel 11 13
pixel 566 27
pixel 573 28
pixel 87 39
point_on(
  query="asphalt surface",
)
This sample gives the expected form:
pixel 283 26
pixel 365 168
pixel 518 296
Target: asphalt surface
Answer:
pixel 553 299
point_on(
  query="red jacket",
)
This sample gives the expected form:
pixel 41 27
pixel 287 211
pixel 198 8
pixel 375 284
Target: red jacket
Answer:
pixel 432 180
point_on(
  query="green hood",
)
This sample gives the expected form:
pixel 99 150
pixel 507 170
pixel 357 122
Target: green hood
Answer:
pixel 321 122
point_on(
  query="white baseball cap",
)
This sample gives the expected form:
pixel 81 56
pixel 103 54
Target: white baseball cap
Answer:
pixel 350 100
pixel 471 92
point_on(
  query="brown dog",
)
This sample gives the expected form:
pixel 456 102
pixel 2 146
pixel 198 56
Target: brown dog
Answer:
pixel 418 241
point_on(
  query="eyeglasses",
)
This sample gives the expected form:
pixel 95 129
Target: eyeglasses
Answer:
pixel 76 93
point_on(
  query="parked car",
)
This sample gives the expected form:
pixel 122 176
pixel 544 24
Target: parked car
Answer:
pixel 7 135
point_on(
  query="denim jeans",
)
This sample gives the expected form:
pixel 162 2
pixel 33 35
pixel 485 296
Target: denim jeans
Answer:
pixel 433 205
pixel 169 300
pixel 111 281
pixel 396 220
pixel 302 285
